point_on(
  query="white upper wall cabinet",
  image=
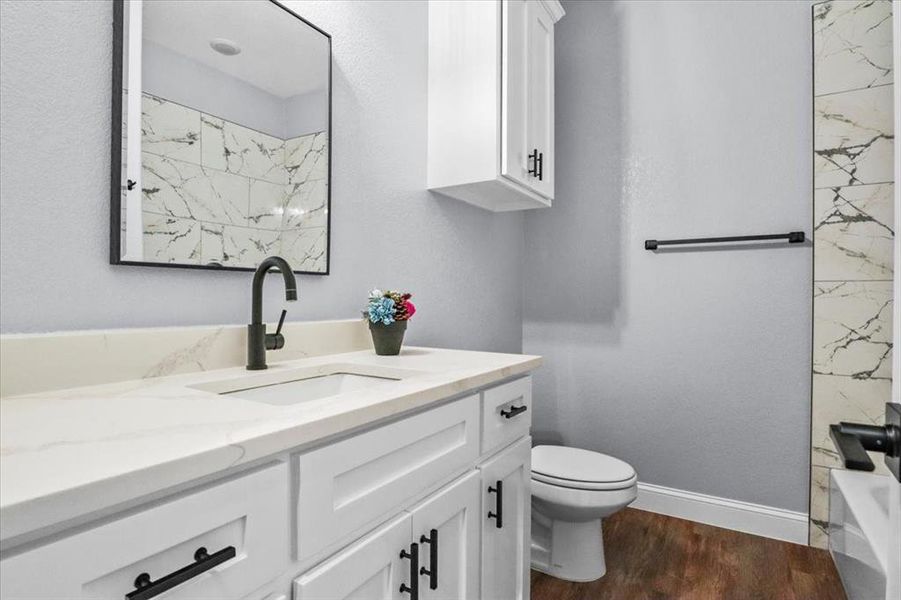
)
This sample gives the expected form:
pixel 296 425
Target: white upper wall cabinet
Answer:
pixel 491 102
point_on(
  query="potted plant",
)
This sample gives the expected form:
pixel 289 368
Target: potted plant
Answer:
pixel 388 313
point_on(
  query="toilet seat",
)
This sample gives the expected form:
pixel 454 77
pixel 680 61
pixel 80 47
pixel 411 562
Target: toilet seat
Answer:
pixel 580 469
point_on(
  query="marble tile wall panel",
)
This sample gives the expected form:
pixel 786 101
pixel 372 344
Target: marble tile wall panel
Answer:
pixel 241 185
pixel 852 45
pixel 853 137
pixel 853 231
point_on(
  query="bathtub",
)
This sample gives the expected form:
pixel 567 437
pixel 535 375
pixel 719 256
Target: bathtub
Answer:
pixel 859 530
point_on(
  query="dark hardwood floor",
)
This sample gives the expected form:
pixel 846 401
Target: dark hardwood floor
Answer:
pixel 651 556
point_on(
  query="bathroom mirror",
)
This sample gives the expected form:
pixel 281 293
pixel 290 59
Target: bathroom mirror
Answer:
pixel 221 135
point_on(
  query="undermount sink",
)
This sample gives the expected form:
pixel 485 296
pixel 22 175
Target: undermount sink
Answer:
pixel 307 384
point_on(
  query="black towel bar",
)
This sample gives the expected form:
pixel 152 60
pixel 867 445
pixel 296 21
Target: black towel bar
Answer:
pixel 794 237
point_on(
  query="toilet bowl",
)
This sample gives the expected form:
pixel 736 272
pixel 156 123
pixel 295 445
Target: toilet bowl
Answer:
pixel 572 490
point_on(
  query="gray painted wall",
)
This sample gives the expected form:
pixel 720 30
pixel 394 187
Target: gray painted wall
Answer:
pixel 678 120
pixel 463 264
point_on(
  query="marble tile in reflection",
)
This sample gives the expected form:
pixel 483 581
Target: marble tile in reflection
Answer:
pixel 853 232
pixel 169 239
pixel 242 151
pixel 819 507
pixel 305 249
pixel 853 329
pixel 852 45
pixel 306 157
pixel 170 129
pixel 185 190
pixel 307 205
pixel 232 246
pixel 267 204
pixel 853 137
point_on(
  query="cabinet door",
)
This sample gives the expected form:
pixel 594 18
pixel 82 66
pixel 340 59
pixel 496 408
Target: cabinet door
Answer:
pixel 370 569
pixel 506 523
pixel 527 100
pixel 540 94
pixel 447 529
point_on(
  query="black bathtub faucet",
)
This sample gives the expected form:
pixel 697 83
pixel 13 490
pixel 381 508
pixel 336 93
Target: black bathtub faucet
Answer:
pixel 258 341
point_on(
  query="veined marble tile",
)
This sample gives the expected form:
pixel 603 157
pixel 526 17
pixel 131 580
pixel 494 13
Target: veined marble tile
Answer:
pixel 231 246
pixel 307 205
pixel 236 149
pixel 305 249
pixel 267 204
pixel 852 45
pixel 819 507
pixel 853 137
pixel 186 190
pixel 306 157
pixel 170 239
pixel 853 232
pixel 853 329
pixel 836 399
pixel 170 129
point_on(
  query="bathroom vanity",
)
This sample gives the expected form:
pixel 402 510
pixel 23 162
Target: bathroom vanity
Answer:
pixel 340 476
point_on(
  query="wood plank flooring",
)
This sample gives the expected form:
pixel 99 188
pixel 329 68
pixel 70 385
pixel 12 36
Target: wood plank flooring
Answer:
pixel 651 556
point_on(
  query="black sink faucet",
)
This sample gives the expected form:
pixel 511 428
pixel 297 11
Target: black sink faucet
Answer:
pixel 258 341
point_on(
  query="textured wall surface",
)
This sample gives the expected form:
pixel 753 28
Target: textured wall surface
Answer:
pixel 463 264
pixel 678 120
pixel 854 231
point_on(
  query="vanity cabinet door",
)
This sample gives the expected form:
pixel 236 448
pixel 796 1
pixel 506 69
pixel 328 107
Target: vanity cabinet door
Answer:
pixel 506 523
pixel 447 529
pixel 370 569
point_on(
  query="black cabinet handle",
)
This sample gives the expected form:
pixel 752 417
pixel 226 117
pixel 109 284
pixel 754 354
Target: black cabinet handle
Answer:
pixel 413 588
pixel 146 588
pixel 432 571
pixel 537 169
pixel 514 410
pixel 498 515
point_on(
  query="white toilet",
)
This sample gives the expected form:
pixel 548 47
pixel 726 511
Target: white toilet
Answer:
pixel 572 490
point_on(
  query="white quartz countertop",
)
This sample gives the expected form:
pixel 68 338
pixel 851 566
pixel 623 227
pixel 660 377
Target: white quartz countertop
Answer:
pixel 69 453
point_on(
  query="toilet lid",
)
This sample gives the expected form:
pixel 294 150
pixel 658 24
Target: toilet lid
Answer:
pixel 575 464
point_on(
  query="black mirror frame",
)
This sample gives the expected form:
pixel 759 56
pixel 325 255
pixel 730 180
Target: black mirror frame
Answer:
pixel 116 153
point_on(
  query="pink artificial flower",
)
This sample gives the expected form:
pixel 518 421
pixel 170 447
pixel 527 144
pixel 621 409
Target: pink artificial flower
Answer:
pixel 411 310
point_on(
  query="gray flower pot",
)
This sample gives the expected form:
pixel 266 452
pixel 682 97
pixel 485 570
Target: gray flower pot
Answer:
pixel 387 339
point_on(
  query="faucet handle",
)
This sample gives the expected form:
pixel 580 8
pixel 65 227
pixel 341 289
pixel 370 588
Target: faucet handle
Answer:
pixel 281 321
pixel 276 341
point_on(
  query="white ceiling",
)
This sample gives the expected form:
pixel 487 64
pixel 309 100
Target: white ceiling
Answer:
pixel 280 54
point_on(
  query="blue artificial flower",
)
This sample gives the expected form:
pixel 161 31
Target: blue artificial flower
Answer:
pixel 381 310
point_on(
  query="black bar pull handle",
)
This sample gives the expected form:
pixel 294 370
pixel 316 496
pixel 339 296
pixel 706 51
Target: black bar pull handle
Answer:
pixel 541 166
pixel 413 588
pixel 498 514
pixel 146 588
pixel 514 410
pixel 432 571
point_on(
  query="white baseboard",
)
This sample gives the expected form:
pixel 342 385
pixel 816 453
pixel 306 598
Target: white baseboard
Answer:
pixel 747 517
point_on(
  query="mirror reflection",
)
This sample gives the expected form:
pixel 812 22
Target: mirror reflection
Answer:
pixel 226 146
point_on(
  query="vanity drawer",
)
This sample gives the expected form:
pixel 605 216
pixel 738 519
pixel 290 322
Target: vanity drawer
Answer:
pixel 349 485
pixel 506 413
pixel 248 513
